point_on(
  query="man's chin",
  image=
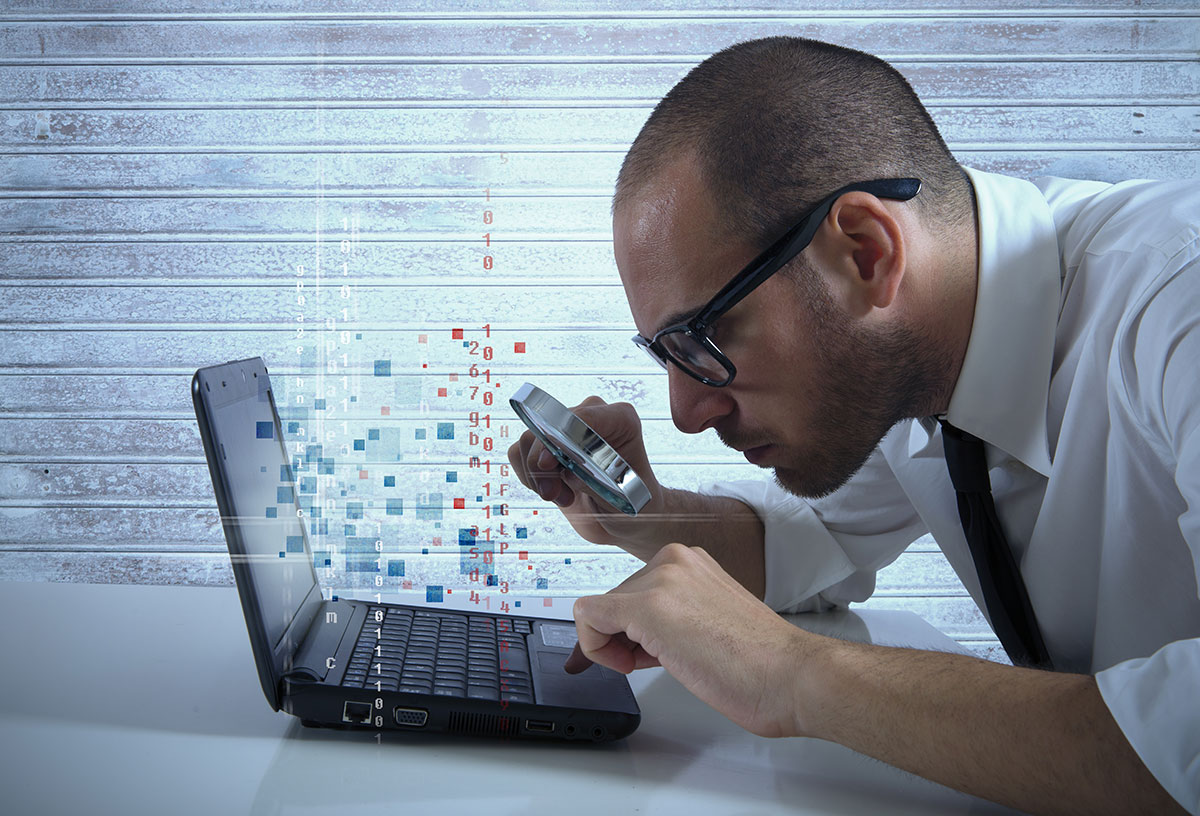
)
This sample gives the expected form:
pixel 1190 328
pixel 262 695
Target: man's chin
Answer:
pixel 809 485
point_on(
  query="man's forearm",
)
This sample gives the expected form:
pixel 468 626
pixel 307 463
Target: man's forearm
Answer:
pixel 726 528
pixel 1043 742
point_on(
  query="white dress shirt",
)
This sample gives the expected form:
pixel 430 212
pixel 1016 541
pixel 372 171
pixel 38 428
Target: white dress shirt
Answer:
pixel 1082 375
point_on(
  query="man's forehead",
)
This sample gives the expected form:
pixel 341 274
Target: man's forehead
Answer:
pixel 669 247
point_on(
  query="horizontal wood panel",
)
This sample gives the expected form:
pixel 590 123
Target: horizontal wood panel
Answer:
pixel 258 219
pixel 169 9
pixel 178 440
pixel 596 85
pixel 169 395
pixel 561 307
pixel 587 572
pixel 49 484
pixel 165 528
pixel 509 40
pixel 475 175
pixel 515 129
pixel 81 350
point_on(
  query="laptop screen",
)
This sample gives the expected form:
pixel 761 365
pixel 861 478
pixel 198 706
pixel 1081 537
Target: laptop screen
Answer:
pixel 262 490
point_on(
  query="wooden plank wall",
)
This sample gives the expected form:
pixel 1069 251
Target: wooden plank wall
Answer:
pixel 169 171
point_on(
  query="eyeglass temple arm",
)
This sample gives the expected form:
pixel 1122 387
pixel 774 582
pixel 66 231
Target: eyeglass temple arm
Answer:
pixel 901 189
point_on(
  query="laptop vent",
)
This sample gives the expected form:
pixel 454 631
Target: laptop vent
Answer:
pixel 483 725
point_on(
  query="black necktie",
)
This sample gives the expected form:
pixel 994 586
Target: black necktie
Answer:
pixel 1003 590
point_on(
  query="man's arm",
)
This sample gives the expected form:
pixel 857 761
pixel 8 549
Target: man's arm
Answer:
pixel 1040 741
pixel 728 530
pixel 1043 742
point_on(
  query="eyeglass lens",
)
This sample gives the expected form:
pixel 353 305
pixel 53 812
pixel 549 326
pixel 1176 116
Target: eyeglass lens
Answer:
pixel 692 355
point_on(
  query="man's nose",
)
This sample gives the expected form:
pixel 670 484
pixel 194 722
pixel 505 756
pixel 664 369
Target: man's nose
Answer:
pixel 694 405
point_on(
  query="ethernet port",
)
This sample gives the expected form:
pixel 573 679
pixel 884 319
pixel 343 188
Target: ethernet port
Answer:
pixel 356 712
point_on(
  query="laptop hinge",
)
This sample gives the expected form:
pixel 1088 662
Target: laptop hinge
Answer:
pixel 317 654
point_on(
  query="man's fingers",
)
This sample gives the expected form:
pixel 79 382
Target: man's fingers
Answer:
pixel 603 638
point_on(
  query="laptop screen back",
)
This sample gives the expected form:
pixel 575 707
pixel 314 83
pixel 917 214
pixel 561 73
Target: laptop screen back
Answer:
pixel 262 492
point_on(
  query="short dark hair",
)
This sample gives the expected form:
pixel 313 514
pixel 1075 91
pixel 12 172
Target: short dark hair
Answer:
pixel 779 122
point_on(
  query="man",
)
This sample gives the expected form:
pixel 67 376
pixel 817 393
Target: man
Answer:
pixel 1057 322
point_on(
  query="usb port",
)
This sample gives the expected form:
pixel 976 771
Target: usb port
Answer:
pixel 356 712
pixel 541 726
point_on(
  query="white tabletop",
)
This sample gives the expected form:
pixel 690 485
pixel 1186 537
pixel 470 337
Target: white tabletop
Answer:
pixel 144 699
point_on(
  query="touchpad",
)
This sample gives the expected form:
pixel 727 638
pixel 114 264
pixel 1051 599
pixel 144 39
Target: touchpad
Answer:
pixel 554 662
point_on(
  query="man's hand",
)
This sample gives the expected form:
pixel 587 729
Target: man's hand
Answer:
pixel 684 613
pixel 594 519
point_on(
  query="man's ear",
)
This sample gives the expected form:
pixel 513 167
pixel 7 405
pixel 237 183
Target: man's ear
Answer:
pixel 862 246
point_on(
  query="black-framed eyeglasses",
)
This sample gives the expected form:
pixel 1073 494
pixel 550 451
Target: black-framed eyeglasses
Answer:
pixel 688 346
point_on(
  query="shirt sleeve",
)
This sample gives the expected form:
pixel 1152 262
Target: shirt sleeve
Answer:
pixel 1156 700
pixel 823 553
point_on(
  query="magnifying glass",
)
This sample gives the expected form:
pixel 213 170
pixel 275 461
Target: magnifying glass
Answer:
pixel 580 449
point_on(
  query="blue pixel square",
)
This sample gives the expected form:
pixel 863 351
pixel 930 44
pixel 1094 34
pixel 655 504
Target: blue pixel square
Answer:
pixel 293 427
pixel 285 474
pixel 312 452
pixel 348 530
pixel 424 551
pixel 491 580
pixel 325 467
pixel 272 512
pixel 445 430
pixel 372 433
pixel 420 433
pixel 284 495
pixel 353 398
pixel 516 603
pixel 360 444
pixel 395 507
pixel 319 404
pixel 358 336
pixel 383 368
pixel 308 484
pixel 264 430
pixel 319 527
pixel 295 543
pixel 389 481
pixel 395 568
pixel 262 469
pixel 451 476
pixel 465 537
pixel 354 510
pixel 466 343
pixel 566 560
pixel 542 583
pixel 433 594
pixel 522 532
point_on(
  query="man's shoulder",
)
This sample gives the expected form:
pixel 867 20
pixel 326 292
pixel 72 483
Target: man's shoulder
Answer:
pixel 1139 217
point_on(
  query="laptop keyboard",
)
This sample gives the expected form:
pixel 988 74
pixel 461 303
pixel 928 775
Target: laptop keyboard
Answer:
pixel 428 652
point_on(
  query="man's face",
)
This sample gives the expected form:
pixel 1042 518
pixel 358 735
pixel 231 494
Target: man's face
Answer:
pixel 814 391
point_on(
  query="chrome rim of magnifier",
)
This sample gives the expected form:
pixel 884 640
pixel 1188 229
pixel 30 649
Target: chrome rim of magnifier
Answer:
pixel 580 449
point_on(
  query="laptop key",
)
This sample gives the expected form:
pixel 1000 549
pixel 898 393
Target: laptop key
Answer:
pixel 482 693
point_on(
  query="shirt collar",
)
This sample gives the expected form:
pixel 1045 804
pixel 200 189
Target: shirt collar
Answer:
pixel 1003 389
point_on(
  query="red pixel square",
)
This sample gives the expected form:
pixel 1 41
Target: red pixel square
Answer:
pixel 385 411
pixel 519 348
pixel 460 504
pixel 441 392
pixel 523 555
pixel 456 334
pixel 362 474
pixel 453 378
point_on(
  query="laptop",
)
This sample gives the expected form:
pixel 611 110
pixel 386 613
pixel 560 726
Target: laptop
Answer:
pixel 354 664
